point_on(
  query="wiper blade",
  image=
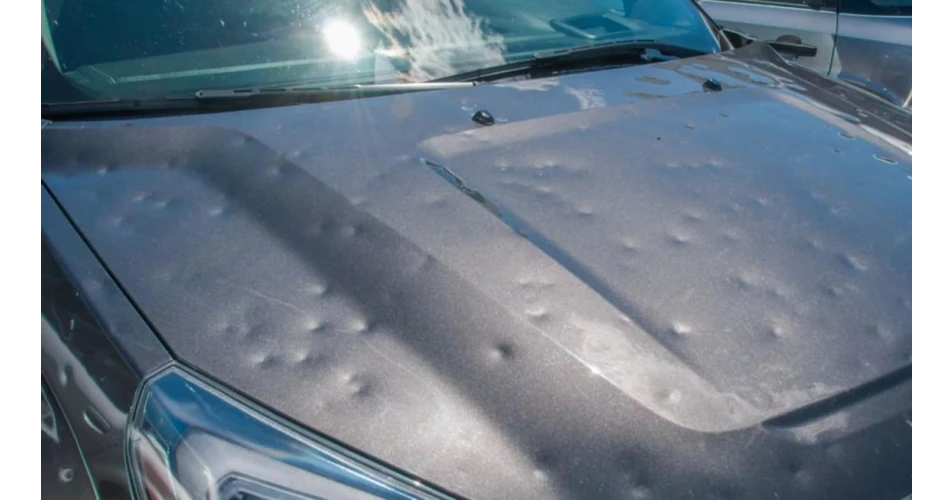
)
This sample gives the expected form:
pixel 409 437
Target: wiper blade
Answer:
pixel 212 100
pixel 619 47
pixel 299 92
pixel 589 56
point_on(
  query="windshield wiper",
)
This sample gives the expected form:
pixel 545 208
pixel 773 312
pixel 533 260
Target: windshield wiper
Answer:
pixel 582 57
pixel 211 100
pixel 303 92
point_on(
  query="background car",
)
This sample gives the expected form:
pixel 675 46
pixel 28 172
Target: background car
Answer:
pixel 864 42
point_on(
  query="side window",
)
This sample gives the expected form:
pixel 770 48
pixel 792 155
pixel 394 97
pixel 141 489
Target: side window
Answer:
pixel 780 3
pixel 877 7
pixel 806 4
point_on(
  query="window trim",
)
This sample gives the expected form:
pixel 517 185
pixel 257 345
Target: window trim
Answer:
pixel 841 10
pixel 828 5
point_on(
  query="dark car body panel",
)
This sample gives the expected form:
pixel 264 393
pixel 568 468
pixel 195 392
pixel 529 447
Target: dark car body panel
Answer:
pixel 95 350
pixel 62 469
pixel 627 287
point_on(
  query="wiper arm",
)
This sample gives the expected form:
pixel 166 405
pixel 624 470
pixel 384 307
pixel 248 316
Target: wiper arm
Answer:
pixel 589 56
pixel 212 100
pixel 325 93
pixel 617 47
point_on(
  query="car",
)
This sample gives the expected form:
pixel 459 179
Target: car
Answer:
pixel 490 249
pixel 864 42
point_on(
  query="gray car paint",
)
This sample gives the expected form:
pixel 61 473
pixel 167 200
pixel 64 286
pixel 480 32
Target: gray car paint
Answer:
pixel 874 51
pixel 627 287
pixel 95 350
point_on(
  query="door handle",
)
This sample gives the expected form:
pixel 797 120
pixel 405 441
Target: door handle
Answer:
pixel 790 39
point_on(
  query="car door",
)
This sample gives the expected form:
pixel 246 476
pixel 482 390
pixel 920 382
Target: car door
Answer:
pixel 813 21
pixel 874 47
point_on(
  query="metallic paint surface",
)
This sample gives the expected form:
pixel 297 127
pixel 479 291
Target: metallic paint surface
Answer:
pixel 62 470
pixel 626 287
pixel 95 349
pixel 876 52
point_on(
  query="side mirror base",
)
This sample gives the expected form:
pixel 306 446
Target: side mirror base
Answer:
pixel 793 48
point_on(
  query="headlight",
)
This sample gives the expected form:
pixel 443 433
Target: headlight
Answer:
pixel 191 440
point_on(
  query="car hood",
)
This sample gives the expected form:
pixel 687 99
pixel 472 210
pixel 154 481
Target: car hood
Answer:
pixel 627 286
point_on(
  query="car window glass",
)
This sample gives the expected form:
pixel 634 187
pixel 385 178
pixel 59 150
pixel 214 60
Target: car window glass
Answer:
pixel 778 3
pixel 151 49
pixel 878 7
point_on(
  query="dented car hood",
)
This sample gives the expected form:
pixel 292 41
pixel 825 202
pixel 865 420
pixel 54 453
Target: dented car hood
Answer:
pixel 626 287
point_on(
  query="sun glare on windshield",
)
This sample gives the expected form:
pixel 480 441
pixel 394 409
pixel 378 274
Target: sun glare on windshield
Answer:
pixel 342 38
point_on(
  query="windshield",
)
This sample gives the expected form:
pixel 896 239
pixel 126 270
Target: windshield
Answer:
pixel 140 49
